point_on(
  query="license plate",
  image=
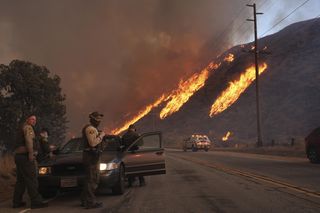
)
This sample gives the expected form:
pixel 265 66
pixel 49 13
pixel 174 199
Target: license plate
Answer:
pixel 68 182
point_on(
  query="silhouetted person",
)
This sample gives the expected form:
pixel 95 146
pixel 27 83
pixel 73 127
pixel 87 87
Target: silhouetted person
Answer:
pixel 127 139
pixel 44 146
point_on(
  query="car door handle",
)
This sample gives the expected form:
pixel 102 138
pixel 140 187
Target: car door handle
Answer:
pixel 159 152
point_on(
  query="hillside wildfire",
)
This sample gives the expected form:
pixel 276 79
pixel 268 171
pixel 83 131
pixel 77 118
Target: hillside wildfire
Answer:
pixel 235 89
pixel 289 92
pixel 178 97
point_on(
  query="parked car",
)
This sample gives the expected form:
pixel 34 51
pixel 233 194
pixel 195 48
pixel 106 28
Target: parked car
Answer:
pixel 312 142
pixel 196 142
pixel 66 170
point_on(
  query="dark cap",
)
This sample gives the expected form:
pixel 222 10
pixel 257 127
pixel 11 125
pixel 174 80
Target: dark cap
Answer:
pixel 96 116
pixel 132 126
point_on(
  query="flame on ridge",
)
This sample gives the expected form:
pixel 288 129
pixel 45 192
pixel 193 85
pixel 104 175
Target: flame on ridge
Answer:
pixel 178 97
pixel 140 114
pixel 235 89
pixel 226 137
pixel 187 88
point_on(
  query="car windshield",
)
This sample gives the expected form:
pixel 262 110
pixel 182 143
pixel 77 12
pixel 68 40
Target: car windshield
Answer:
pixel 111 143
pixel 74 145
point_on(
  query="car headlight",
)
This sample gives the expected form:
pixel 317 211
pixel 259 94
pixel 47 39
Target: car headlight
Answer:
pixel 108 166
pixel 44 170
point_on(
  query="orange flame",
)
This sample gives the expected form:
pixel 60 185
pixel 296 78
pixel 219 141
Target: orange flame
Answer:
pixel 226 137
pixel 184 92
pixel 235 89
pixel 178 97
pixel 187 88
pixel 140 115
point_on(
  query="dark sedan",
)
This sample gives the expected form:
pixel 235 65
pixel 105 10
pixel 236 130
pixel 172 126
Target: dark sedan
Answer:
pixel 66 171
pixel 313 146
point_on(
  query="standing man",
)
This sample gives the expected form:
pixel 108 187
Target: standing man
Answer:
pixel 91 157
pixel 27 170
pixel 127 139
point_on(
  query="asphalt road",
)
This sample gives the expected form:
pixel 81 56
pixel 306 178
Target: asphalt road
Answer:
pixel 212 182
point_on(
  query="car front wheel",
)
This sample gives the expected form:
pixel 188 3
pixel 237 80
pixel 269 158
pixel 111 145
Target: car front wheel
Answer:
pixel 313 155
pixel 119 188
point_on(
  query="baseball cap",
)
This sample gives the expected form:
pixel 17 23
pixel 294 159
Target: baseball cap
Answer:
pixel 96 115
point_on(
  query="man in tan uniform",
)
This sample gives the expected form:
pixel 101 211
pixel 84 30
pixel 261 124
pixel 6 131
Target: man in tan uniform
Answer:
pixel 27 171
pixel 91 157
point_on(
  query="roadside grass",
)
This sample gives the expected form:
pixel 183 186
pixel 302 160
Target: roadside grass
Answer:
pixel 278 150
pixel 7 176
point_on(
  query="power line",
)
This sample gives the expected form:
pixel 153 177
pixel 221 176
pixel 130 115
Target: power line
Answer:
pixel 221 40
pixel 245 32
pixel 262 4
pixel 219 37
pixel 301 5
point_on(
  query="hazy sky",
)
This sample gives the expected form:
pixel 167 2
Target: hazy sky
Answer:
pixel 116 56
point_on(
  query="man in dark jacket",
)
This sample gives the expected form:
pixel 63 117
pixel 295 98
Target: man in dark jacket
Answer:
pixel 127 139
pixel 44 146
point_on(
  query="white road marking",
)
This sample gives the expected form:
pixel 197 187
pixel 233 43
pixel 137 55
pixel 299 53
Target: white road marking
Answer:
pixel 25 210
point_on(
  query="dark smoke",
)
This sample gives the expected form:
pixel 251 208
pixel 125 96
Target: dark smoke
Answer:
pixel 113 56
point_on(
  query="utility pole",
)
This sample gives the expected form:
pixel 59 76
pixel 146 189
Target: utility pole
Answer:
pixel 259 142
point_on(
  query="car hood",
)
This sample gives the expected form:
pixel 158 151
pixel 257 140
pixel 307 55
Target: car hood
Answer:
pixel 76 158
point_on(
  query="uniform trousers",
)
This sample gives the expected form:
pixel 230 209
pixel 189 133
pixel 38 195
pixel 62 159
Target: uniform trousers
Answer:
pixel 91 164
pixel 27 178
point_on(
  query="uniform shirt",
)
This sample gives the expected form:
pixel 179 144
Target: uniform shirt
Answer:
pixel 29 136
pixel 93 136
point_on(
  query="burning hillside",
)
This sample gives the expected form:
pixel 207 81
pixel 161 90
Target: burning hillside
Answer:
pixel 235 89
pixel 222 96
pixel 177 98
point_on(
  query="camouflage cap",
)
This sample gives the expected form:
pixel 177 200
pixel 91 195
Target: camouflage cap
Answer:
pixel 96 116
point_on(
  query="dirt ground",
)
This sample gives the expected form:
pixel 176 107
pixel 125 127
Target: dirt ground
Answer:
pixel 289 151
pixel 7 176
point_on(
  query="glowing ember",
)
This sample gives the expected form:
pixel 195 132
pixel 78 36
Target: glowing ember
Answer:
pixel 235 89
pixel 226 137
pixel 140 115
pixel 229 58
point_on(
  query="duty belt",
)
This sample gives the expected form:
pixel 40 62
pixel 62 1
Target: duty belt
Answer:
pixel 90 150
